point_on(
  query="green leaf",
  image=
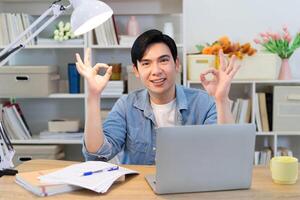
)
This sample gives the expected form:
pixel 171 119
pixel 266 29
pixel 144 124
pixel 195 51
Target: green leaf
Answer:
pixel 199 47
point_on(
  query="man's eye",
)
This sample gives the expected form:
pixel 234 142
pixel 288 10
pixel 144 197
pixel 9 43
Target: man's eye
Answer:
pixel 165 60
pixel 145 64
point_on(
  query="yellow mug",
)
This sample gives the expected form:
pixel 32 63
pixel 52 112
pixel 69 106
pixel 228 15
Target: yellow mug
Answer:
pixel 284 169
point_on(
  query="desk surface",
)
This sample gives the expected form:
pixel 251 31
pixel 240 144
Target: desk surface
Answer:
pixel 136 187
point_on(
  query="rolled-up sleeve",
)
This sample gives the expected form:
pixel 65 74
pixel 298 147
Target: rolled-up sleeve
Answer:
pixel 114 129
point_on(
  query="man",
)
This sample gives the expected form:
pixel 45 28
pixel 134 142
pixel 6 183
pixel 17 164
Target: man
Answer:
pixel 131 124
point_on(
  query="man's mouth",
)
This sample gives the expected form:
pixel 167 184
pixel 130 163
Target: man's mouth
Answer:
pixel 158 81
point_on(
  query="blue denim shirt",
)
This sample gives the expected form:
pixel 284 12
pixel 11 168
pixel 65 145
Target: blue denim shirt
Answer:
pixel 130 126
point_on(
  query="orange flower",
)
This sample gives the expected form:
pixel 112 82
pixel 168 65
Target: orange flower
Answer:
pixel 215 48
pixel 224 41
pixel 207 50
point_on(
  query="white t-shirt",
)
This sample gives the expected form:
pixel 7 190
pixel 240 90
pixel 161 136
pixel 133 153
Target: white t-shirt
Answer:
pixel 164 113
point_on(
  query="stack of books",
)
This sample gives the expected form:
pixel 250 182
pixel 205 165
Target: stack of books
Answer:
pixel 127 40
pixel 241 110
pixel 263 111
pixel 106 33
pixel 61 135
pixel 114 88
pixel 263 157
pixel 14 123
pixel 12 25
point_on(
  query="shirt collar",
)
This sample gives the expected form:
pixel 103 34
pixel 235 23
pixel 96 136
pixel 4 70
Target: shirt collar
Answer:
pixel 142 101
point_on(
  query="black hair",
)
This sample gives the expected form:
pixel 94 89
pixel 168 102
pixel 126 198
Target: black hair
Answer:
pixel 148 38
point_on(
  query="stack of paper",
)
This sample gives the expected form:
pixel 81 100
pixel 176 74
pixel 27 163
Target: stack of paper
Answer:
pixel 100 176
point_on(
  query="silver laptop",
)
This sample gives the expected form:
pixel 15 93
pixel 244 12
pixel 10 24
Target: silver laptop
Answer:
pixel 203 158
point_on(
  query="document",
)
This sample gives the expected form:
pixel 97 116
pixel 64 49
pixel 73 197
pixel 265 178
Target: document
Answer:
pixel 97 176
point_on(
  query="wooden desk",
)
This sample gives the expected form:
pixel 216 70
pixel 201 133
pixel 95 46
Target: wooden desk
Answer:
pixel 136 187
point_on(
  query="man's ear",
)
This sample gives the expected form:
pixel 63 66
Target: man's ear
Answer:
pixel 177 65
pixel 136 71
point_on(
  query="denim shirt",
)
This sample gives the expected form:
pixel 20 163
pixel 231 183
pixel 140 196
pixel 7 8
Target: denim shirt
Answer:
pixel 130 126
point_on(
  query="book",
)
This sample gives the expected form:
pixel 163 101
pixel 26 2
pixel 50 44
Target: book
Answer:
pixel 269 101
pixel 60 135
pixel 12 122
pixel 30 181
pixel 263 112
pixel 257 113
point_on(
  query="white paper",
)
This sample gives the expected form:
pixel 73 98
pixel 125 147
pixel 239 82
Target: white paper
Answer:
pixel 98 182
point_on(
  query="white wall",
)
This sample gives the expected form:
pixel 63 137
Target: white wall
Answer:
pixel 241 20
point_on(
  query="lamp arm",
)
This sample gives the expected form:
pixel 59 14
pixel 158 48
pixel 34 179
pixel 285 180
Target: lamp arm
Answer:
pixel 38 20
pixel 12 49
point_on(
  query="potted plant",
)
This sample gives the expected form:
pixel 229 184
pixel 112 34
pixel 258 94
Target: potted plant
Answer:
pixel 282 44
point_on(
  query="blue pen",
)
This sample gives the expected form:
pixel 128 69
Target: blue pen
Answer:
pixel 100 170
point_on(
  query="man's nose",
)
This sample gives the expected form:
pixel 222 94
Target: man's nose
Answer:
pixel 156 69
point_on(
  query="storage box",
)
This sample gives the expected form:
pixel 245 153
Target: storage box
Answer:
pixel 64 125
pixel 28 81
pixel 286 108
pixel 30 152
pixel 197 64
pixel 261 66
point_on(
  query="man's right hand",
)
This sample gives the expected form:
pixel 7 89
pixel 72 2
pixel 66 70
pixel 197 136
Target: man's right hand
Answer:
pixel 96 83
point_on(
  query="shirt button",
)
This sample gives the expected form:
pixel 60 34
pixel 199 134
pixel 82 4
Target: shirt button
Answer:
pixel 154 148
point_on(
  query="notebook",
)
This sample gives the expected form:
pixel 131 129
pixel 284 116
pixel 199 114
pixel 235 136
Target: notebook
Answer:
pixel 30 181
pixel 97 176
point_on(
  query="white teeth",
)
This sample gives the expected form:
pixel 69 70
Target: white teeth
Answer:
pixel 158 81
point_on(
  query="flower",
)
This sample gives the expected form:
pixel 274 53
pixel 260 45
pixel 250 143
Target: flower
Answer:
pixel 228 47
pixel 281 44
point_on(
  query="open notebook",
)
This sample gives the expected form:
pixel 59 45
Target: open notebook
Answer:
pixel 93 175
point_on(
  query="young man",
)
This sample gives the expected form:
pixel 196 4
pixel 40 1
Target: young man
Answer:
pixel 131 124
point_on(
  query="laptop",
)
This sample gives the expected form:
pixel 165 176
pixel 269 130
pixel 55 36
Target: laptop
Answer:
pixel 200 158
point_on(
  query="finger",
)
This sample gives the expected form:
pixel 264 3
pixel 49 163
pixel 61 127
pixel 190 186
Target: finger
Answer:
pixel 108 73
pixel 79 69
pixel 98 66
pixel 87 57
pixel 79 61
pixel 209 70
pixel 231 64
pixel 203 79
pixel 234 71
pixel 222 58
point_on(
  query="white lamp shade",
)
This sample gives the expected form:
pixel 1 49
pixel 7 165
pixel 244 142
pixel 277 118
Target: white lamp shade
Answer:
pixel 88 14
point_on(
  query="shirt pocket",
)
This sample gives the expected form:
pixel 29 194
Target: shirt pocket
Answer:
pixel 137 145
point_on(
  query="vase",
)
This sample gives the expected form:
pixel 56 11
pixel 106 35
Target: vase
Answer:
pixel 133 28
pixel 285 70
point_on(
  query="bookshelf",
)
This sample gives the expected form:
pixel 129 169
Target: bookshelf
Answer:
pixel 38 110
pixel 247 89
pixel 149 13
pixel 244 28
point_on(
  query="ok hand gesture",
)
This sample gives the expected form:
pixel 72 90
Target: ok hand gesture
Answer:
pixel 219 86
pixel 96 83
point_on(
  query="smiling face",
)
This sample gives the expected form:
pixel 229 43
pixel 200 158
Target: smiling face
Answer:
pixel 157 71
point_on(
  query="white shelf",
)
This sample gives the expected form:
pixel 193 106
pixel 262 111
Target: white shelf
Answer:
pixel 273 82
pixel 47 141
pixel 66 96
pixel 265 133
pixel 51 47
pixel 121 46
pixel 287 133
pixel 111 96
pixel 278 133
